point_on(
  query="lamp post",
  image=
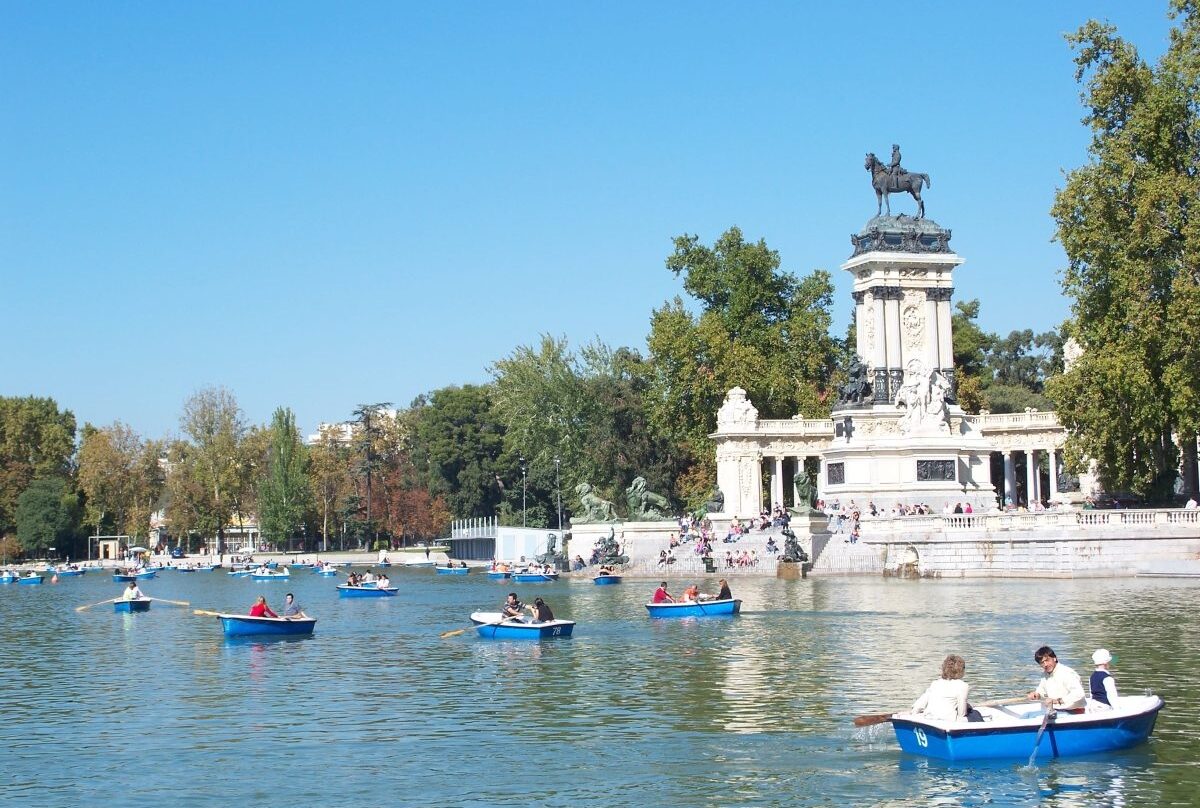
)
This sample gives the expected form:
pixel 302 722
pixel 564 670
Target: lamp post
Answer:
pixel 522 492
pixel 558 491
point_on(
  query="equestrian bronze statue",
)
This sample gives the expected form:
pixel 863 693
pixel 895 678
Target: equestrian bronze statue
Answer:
pixel 895 180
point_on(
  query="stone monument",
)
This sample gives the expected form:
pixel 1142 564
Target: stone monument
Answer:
pixel 899 435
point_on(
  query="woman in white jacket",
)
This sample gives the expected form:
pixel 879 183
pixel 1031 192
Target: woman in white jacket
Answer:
pixel 946 698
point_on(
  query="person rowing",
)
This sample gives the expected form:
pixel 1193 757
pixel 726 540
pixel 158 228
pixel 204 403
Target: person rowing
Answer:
pixel 512 607
pixel 132 592
pixel 1061 686
pixel 661 595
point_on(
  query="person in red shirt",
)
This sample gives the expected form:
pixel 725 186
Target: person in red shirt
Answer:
pixel 661 595
pixel 261 609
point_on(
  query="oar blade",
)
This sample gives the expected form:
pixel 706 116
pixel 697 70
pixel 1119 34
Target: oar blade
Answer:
pixel 205 613
pixel 872 720
pixel 454 633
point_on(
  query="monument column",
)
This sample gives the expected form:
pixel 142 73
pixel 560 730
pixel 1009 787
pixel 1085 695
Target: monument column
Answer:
pixel 945 329
pixel 1053 458
pixel 934 333
pixel 895 359
pixel 1010 478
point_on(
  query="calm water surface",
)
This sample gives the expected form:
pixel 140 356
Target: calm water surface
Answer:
pixel 157 709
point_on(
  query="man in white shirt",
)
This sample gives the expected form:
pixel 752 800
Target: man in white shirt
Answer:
pixel 1060 686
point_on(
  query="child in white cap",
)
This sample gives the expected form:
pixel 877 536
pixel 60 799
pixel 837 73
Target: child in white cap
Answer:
pixel 1103 685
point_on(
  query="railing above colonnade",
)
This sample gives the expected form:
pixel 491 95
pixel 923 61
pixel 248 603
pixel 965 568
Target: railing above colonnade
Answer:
pixel 889 528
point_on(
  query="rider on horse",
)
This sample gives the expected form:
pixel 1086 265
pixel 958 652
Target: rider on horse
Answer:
pixel 894 169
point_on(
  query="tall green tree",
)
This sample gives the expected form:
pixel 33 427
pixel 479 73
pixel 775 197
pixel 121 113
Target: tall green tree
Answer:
pixel 36 440
pixel 330 478
pixel 458 440
pixel 1125 220
pixel 759 327
pixel 971 344
pixel 283 492
pixel 210 471
pixel 48 516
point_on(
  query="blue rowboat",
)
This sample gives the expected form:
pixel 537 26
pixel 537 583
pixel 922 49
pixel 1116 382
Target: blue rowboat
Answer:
pixel 534 577
pixel 498 575
pixel 70 573
pixel 239 573
pixel 489 627
pixel 1008 734
pixel 185 569
pixel 372 591
pixel 7 579
pixel 420 563
pixel 135 605
pixel 120 577
pixel 453 570
pixel 241 625
pixel 145 574
pixel 325 573
pixel 607 580
pixel 702 608
pixel 208 567
pixel 31 580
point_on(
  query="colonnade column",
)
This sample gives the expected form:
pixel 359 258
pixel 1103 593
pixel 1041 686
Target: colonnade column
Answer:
pixel 1010 478
pixel 1030 478
pixel 1053 458
pixel 777 482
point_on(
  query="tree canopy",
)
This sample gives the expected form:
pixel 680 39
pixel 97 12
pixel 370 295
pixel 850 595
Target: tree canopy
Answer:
pixel 1125 221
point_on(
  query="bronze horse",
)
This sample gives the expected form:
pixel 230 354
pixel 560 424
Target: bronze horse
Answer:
pixel 908 182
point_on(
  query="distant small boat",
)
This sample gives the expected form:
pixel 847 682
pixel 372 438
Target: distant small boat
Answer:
pixel 185 569
pixel 365 591
pixel 326 573
pixel 134 605
pixel 271 575
pixel 534 577
pixel 607 580
pixel 7 579
pixel 420 563
pixel 31 580
pixel 453 570
pixel 498 575
pixel 208 567
pixel 145 574
pixel 490 627
pixel 1009 733
pixel 69 573
pixel 241 625
pixel 239 573
pixel 700 608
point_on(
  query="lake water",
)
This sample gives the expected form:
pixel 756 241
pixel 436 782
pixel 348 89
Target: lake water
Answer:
pixel 158 709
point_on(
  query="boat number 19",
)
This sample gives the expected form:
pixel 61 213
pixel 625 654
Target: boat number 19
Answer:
pixel 921 739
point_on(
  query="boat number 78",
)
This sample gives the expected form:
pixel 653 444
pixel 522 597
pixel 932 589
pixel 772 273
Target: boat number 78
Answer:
pixel 556 630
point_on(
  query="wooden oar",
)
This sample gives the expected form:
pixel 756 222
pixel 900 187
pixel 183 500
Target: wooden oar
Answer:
pixel 90 605
pixel 879 718
pixel 172 602
pixel 458 631
pixel 205 613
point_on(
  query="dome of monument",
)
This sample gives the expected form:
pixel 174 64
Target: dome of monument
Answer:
pixel 901 234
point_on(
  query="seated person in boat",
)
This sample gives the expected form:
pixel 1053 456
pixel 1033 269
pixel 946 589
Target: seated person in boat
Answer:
pixel 1060 686
pixel 606 570
pixel 352 579
pixel 368 577
pixel 691 594
pixel 946 698
pixel 540 611
pixel 383 582
pixel 1103 685
pixel 132 592
pixel 661 595
pixel 261 609
pixel 512 607
pixel 291 609
pixel 724 593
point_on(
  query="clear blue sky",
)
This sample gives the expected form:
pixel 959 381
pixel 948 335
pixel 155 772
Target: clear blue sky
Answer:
pixel 321 205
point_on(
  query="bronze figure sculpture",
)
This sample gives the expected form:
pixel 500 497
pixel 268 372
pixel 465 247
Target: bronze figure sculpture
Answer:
pixel 894 179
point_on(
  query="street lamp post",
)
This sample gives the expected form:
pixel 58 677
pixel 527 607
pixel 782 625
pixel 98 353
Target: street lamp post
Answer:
pixel 522 492
pixel 558 491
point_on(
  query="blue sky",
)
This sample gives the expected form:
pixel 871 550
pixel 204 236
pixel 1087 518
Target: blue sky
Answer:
pixel 321 205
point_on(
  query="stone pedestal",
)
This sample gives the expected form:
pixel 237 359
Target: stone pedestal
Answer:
pixel 638 540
